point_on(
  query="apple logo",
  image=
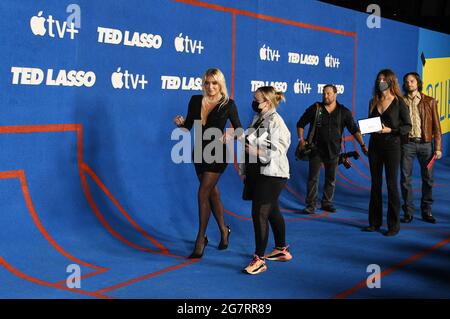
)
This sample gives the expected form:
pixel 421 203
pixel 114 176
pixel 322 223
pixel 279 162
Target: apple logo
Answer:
pixel 116 79
pixel 263 53
pixel 179 43
pixel 328 60
pixel 37 24
pixel 297 87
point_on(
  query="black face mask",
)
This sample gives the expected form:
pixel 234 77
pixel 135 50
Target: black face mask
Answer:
pixel 255 107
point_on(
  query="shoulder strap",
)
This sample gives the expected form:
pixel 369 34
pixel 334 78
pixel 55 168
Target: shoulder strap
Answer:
pixel 313 128
pixel 258 123
pixel 341 127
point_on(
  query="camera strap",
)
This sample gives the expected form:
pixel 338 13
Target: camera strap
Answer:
pixel 313 128
pixel 340 126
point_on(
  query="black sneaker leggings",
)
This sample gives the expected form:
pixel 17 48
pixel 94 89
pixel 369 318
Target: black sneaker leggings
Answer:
pixel 265 209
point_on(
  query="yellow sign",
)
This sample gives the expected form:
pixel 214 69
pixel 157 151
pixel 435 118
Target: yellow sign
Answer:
pixel 436 83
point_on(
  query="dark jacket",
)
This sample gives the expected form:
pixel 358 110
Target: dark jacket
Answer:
pixel 430 124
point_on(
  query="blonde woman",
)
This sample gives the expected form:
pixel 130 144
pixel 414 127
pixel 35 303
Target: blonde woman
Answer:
pixel 212 109
pixel 266 171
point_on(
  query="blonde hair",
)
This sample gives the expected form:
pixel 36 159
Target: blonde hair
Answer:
pixel 218 76
pixel 270 94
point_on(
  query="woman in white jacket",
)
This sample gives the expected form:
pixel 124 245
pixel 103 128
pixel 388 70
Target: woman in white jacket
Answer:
pixel 266 170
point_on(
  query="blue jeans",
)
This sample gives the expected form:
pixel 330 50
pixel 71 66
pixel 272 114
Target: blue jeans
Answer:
pixel 424 153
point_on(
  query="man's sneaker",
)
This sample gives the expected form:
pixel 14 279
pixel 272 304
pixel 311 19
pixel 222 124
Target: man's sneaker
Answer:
pixel 429 219
pixel 308 210
pixel 256 266
pixel 279 254
pixel 329 208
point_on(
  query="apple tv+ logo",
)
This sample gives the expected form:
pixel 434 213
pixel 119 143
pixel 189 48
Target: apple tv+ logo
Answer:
pixel 120 80
pixel 41 26
pixel 186 45
pixel 301 87
pixel 268 54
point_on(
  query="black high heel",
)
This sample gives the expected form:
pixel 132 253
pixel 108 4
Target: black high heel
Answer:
pixel 223 246
pixel 197 255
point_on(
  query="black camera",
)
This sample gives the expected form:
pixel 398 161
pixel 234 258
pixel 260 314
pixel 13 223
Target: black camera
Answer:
pixel 343 158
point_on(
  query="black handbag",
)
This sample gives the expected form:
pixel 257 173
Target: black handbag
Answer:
pixel 251 171
pixel 305 153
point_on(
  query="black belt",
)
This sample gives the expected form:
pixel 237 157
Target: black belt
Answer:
pixel 416 140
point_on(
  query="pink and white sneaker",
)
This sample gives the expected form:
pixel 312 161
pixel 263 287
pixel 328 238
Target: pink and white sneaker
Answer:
pixel 279 254
pixel 256 266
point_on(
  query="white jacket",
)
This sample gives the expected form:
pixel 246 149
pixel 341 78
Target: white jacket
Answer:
pixel 279 139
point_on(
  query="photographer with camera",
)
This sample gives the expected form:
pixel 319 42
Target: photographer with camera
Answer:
pixel 343 158
pixel 327 120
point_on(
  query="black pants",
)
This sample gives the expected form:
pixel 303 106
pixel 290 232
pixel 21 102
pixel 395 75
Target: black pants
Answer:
pixel 384 151
pixel 265 209
pixel 312 187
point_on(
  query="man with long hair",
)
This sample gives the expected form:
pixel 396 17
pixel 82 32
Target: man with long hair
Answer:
pixel 426 129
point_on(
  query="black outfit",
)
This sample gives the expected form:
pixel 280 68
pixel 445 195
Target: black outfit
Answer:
pixel 208 192
pixel 328 139
pixel 265 208
pixel 217 118
pixel 385 150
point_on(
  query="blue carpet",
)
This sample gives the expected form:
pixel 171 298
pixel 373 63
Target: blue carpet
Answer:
pixel 331 254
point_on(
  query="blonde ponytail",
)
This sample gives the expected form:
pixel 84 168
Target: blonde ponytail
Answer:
pixel 270 94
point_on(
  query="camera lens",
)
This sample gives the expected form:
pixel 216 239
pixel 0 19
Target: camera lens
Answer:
pixel 347 164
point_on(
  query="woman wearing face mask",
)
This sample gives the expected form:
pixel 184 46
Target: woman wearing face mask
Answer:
pixel 385 150
pixel 266 171
pixel 210 111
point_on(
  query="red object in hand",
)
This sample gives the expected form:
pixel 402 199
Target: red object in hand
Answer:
pixel 431 163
